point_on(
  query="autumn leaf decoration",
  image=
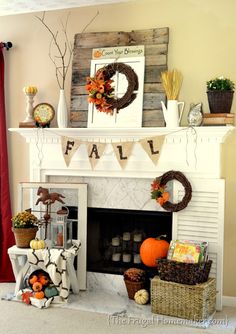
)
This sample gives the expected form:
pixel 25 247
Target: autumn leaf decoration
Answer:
pixel 100 91
pixel 158 192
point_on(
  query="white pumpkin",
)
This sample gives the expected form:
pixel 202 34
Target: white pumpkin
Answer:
pixel 141 297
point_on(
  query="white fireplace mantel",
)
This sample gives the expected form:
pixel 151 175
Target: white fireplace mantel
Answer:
pixel 196 152
pixel 216 133
pixel 185 149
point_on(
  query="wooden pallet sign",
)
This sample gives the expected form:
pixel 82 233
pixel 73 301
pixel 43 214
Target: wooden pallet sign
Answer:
pixel 156 50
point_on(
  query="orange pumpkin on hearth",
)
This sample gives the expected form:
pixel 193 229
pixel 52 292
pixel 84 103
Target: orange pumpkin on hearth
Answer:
pixel 151 249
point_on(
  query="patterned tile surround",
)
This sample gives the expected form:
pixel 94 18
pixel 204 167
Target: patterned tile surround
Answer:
pixel 119 193
pixel 102 288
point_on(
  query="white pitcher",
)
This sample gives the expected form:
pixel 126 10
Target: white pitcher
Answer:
pixel 173 113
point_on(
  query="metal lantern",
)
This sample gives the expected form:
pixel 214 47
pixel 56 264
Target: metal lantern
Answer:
pixel 61 230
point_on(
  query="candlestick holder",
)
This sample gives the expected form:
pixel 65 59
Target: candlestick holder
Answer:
pixel 30 92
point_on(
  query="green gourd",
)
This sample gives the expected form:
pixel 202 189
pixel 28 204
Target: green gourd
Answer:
pixel 50 291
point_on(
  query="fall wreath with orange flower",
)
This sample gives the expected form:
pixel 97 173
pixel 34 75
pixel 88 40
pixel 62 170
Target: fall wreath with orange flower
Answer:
pixel 159 193
pixel 101 92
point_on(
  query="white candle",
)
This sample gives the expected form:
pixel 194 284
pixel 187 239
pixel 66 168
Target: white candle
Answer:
pixel 126 258
pixel 137 258
pixel 126 236
pixel 116 257
pixel 115 241
pixel 138 237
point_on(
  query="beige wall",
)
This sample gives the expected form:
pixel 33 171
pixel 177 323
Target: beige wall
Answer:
pixel 202 45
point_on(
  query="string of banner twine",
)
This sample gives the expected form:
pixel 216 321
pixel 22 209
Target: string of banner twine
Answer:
pixel 190 131
pixel 39 144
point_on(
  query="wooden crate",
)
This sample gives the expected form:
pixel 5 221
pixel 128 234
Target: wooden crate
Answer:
pixel 194 302
pixel 218 119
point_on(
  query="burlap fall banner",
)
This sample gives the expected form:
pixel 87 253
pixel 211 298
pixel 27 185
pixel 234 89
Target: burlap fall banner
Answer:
pixel 152 146
pixel 95 151
pixel 123 151
pixel 69 147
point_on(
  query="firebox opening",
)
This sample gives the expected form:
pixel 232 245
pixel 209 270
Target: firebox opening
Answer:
pixel 114 237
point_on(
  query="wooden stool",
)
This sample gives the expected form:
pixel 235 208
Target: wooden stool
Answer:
pixel 20 265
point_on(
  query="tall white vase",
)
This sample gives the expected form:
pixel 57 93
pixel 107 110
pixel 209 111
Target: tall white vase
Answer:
pixel 62 112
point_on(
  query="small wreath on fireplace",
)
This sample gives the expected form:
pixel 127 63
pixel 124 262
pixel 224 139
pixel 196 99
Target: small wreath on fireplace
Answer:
pixel 161 196
pixel 101 93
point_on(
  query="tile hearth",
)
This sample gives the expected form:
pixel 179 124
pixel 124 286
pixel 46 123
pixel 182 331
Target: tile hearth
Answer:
pixel 107 294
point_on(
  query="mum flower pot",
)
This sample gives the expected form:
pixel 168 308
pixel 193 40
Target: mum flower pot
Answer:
pixel 23 236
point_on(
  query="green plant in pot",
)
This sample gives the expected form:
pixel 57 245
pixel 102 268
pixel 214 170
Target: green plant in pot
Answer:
pixel 220 92
pixel 24 227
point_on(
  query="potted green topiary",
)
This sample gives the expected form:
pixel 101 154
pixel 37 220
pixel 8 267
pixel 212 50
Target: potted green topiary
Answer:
pixel 220 93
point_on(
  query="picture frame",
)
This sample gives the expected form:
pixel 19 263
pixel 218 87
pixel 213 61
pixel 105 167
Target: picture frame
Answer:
pixel 130 116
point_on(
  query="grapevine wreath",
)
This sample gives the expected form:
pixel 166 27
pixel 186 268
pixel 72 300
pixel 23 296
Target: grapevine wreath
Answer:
pixel 101 93
pixel 158 191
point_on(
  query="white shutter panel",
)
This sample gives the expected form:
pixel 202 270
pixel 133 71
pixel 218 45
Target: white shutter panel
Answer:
pixel 203 220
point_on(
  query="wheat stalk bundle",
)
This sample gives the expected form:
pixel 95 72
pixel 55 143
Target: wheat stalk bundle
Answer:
pixel 172 81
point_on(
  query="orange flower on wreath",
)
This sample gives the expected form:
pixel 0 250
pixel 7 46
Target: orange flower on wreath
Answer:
pixel 100 90
pixel 158 192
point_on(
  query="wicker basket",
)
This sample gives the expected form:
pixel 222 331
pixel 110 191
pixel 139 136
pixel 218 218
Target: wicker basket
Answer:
pixel 23 236
pixel 194 302
pixel 133 287
pixel 185 273
pixel 220 101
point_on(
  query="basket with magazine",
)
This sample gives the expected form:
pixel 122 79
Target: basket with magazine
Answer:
pixel 187 263
pixel 185 273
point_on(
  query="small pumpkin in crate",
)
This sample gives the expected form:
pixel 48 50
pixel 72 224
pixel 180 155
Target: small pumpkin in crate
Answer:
pixel 153 248
pixel 37 286
pixel 39 294
pixel 141 297
pixel 51 291
pixel 37 244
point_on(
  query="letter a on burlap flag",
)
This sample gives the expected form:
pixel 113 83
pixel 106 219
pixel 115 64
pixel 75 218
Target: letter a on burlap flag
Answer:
pixel 152 146
pixel 95 151
pixel 69 147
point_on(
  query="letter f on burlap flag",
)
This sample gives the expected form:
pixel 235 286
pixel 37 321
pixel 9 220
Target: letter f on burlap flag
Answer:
pixel 69 147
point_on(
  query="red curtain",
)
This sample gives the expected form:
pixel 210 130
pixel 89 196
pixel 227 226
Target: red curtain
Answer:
pixel 6 235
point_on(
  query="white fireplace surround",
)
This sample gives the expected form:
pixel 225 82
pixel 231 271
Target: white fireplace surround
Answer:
pixel 185 149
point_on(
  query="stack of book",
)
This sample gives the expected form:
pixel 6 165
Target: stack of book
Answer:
pixel 218 119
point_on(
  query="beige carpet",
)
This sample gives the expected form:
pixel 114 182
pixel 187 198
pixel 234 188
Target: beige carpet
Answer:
pixel 16 317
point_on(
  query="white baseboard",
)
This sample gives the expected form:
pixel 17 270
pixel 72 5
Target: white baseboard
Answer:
pixel 229 301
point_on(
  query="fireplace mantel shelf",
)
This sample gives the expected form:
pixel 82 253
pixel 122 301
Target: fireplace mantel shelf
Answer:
pixel 216 133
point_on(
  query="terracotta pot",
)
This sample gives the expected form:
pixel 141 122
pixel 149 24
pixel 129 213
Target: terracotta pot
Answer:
pixel 133 287
pixel 23 236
